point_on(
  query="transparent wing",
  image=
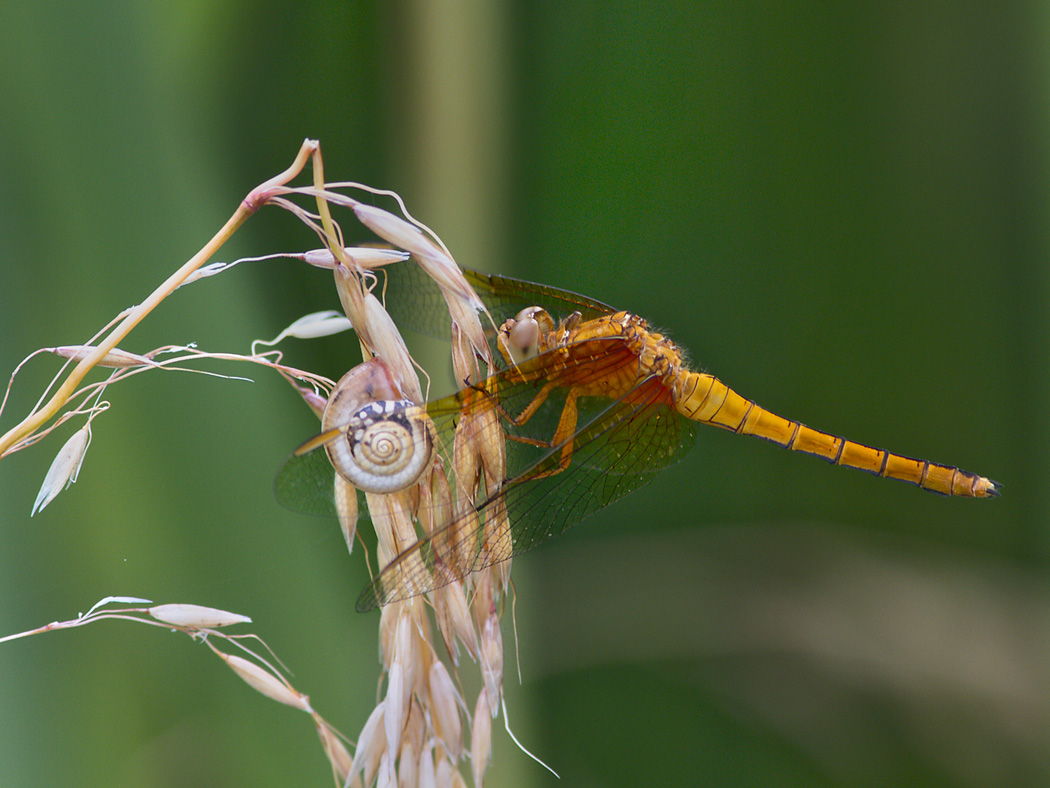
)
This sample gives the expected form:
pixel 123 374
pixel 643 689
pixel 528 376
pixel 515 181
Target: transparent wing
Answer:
pixel 617 448
pixel 305 483
pixel 416 303
pixel 509 296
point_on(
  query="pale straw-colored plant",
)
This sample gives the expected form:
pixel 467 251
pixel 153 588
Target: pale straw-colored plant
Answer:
pixel 416 735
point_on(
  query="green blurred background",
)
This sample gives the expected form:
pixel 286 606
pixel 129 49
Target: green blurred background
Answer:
pixel 840 210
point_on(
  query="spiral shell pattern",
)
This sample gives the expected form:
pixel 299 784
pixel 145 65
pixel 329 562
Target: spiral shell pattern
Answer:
pixel 385 446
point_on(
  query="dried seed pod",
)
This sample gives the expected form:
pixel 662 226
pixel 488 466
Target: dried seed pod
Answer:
pixel 64 468
pixel 265 682
pixel 481 738
pixel 197 616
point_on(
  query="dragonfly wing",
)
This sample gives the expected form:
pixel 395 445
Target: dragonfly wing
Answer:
pixel 415 302
pixel 617 448
pixel 509 296
pixel 306 484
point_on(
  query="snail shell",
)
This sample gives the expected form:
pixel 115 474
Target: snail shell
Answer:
pixel 384 446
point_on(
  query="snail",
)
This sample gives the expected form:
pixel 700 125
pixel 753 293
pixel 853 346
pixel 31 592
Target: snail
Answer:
pixel 384 447
pixel 384 444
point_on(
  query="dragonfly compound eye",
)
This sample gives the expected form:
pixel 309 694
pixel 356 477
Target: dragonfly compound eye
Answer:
pixel 523 340
pixel 384 447
pixel 522 337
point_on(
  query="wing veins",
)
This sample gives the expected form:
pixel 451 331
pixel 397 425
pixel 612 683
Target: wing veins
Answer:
pixel 612 423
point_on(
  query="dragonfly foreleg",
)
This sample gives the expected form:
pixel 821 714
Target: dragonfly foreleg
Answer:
pixel 564 437
pixel 522 418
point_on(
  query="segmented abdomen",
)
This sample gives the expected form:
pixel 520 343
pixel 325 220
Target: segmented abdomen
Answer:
pixel 706 399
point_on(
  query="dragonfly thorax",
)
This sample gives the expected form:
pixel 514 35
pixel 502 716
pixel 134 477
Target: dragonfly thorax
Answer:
pixel 608 356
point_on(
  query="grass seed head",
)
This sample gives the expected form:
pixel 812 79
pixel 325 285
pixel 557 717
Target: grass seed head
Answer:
pixel 427 778
pixel 481 739
pixel 196 616
pixel 395 230
pixel 370 746
pixel 445 773
pixel 64 468
pixel 114 359
pixel 366 257
pixel 396 700
pixel 265 682
pixel 492 660
pixel 444 703
pixel 336 751
pixel 407 766
pixel 346 509
pixel 453 616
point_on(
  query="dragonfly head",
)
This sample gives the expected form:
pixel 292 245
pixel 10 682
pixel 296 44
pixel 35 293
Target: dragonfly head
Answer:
pixel 525 336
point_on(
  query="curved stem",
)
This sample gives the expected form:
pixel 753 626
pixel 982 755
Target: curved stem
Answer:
pixel 255 199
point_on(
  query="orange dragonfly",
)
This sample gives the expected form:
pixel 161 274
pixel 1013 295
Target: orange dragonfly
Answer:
pixel 594 405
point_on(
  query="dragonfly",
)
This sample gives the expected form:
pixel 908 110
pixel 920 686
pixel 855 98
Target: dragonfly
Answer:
pixel 594 404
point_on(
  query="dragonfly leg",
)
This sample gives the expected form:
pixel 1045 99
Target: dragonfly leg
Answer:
pixel 530 409
pixel 529 441
pixel 564 436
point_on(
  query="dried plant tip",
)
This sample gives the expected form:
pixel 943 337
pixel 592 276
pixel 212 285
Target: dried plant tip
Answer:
pixel 388 345
pixel 407 767
pixel 336 751
pixel 64 468
pixel 492 661
pixel 444 702
pixel 445 774
pixel 481 739
pixel 370 746
pixel 122 600
pixel 265 682
pixel 116 358
pixel 387 778
pixel 364 256
pixel 397 699
pixel 417 728
pixel 196 616
pixel 427 778
pixel 454 615
pixel 399 682
pixel 346 510
pixel 316 402
pixel 311 326
pixel 205 271
pixel 409 649
pixel 318 324
pixel 396 230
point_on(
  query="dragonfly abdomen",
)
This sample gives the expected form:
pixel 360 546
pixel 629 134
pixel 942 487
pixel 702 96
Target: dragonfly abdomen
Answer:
pixel 706 399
